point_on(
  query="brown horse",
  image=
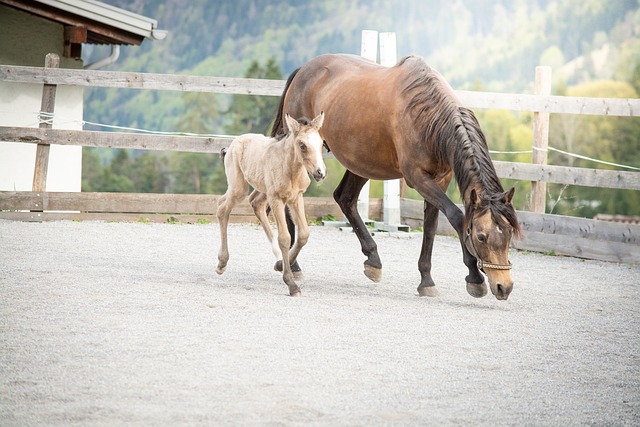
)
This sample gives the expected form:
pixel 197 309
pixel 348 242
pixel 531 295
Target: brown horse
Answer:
pixel 405 121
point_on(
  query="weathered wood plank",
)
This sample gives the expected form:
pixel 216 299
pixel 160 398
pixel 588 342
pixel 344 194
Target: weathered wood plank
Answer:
pixel 119 79
pixel 143 203
pixel 122 217
pixel 559 244
pixel 493 100
pixel 136 141
pixel 551 104
pixel 47 107
pixel 568 175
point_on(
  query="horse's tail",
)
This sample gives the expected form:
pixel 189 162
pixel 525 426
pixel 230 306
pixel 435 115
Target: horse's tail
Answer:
pixel 278 125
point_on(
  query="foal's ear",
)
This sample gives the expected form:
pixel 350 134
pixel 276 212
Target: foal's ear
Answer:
pixel 506 199
pixel 292 123
pixel 317 122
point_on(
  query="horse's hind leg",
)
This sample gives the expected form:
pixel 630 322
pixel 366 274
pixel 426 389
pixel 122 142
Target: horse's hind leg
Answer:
pixel 258 202
pixel 346 195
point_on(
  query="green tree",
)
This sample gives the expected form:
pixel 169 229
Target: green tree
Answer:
pixel 254 114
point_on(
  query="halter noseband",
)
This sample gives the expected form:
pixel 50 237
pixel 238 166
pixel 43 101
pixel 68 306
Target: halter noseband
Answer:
pixel 481 264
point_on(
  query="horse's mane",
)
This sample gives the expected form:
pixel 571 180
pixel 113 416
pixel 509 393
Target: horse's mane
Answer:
pixel 278 130
pixel 456 133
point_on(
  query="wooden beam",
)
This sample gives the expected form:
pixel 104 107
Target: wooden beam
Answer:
pixel 570 176
pixel 539 156
pixel 505 101
pixel 136 141
pixel 46 108
pixel 98 78
pixel 74 36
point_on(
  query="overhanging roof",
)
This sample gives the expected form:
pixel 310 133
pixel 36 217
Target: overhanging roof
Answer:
pixel 90 21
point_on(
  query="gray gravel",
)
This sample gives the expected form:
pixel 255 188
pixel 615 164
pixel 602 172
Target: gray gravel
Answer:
pixel 127 324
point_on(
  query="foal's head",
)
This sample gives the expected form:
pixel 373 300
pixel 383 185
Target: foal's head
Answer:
pixel 308 144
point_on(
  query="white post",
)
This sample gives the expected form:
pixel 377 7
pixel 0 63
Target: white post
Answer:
pixel 369 50
pixel 391 199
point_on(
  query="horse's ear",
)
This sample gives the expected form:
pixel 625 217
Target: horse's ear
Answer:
pixel 292 123
pixel 506 199
pixel 475 200
pixel 317 122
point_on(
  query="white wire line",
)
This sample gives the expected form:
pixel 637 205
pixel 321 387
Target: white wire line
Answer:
pixel 156 132
pixel 44 117
pixel 579 156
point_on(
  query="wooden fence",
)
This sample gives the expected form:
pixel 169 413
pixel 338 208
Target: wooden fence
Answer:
pixel 546 233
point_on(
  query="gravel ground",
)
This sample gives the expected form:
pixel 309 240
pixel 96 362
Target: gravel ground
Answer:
pixel 127 324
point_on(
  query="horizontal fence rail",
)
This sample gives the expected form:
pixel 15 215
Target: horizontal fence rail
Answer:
pixel 246 86
pixel 511 170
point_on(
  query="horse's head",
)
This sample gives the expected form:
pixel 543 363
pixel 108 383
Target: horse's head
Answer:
pixel 491 222
pixel 309 144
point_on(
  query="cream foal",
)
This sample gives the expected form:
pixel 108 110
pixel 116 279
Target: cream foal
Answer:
pixel 278 170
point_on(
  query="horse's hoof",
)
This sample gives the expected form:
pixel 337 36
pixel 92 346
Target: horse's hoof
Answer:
pixel 374 274
pixel 220 270
pixel 477 290
pixel 278 266
pixel 428 291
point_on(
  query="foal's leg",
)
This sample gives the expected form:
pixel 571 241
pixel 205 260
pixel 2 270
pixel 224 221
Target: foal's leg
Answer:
pixel 300 218
pixel 284 240
pixel 258 202
pixel 236 191
pixel 346 195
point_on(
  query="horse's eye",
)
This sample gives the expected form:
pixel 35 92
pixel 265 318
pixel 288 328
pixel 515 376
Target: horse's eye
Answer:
pixel 482 238
pixel 303 146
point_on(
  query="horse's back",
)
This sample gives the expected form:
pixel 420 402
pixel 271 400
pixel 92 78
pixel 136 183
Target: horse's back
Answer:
pixel 356 96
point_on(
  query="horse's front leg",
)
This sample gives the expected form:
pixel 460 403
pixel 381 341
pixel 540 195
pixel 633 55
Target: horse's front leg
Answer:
pixel 427 287
pixel 284 240
pixel 436 198
pixel 346 195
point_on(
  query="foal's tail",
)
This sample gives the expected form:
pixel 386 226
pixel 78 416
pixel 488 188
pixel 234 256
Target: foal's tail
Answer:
pixel 278 126
pixel 223 153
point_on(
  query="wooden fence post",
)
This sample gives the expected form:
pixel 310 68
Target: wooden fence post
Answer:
pixel 540 140
pixel 46 122
pixel 369 50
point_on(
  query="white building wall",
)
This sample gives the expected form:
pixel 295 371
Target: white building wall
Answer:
pixel 26 40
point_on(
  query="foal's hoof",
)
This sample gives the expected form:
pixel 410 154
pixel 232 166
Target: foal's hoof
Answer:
pixel 294 291
pixel 220 270
pixel 374 274
pixel 428 291
pixel 295 269
pixel 477 290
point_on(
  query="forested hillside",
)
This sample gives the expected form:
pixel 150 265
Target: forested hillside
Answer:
pixel 494 45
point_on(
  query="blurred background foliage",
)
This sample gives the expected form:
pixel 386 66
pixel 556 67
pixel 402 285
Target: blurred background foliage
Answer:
pixel 593 47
